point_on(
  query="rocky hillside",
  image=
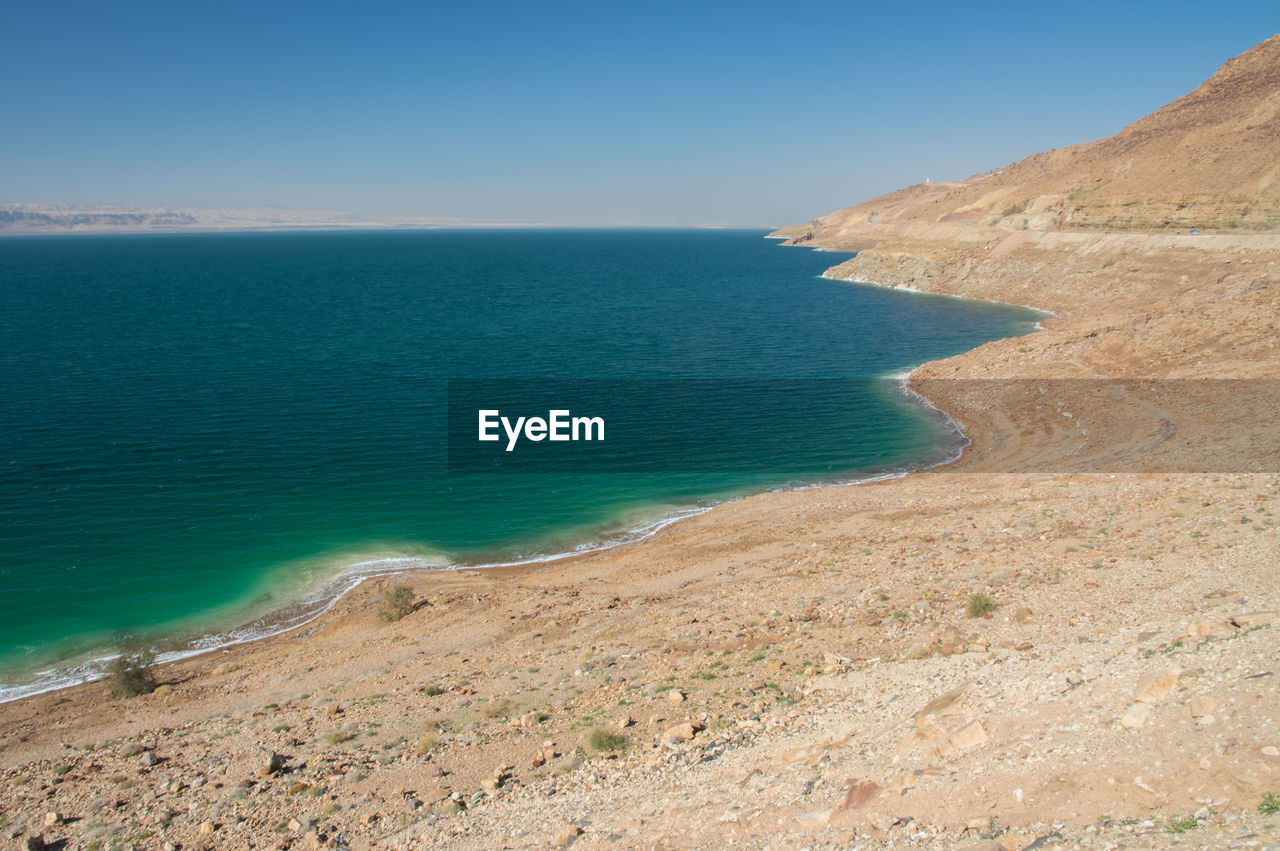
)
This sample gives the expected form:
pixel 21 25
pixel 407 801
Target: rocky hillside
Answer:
pixel 1208 161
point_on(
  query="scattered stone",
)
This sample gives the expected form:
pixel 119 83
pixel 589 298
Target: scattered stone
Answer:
pixel 951 703
pixel 149 759
pixel 675 696
pixel 968 736
pixel 919 651
pixel 817 817
pixel 1201 706
pixel 860 793
pixel 1248 620
pixel 1271 750
pixel 52 819
pixel 206 828
pixel 275 764
pixel 435 794
pixel 680 733
pixel 567 835
pixel 36 843
pixel 1152 688
pixel 1136 716
pixel 1212 628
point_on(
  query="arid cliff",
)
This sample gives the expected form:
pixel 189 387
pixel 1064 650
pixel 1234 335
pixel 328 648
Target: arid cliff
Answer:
pixel 1207 161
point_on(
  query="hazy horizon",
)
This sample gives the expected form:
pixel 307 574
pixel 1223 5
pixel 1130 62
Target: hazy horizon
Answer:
pixel 571 115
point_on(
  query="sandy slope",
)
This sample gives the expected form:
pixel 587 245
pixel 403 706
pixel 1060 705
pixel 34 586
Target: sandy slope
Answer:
pixel 800 669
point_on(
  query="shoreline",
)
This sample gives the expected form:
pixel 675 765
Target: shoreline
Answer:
pixel 317 603
pixel 1066 637
pixel 761 656
pixel 1049 314
pixel 313 604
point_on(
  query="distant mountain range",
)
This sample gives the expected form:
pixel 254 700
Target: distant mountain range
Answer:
pixel 60 218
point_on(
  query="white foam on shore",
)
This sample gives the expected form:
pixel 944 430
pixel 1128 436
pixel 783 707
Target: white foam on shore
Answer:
pixel 308 608
pixel 330 593
pixel 317 603
pixel 320 601
pixel 1049 314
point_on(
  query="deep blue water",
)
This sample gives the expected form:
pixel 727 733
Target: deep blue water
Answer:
pixel 201 429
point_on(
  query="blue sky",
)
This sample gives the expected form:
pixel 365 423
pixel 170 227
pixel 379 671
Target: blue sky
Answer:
pixel 574 113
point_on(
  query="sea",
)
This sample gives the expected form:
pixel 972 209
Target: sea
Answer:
pixel 209 438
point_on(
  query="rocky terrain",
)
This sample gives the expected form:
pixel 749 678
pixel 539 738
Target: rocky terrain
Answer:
pixel 792 668
pixel 1207 161
pixel 1067 639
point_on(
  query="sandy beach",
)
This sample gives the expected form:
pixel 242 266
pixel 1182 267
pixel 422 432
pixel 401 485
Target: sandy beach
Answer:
pixel 1067 638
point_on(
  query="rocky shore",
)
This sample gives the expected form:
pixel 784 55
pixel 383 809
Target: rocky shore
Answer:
pixel 1062 640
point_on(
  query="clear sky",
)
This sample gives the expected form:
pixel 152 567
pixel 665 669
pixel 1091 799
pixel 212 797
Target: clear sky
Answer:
pixel 574 113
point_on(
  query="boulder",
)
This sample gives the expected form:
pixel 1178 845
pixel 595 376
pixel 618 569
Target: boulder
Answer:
pixel 567 835
pixel 1136 716
pixel 968 736
pixel 680 733
pixel 1153 688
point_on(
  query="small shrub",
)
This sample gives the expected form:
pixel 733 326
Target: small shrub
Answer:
pixel 432 691
pixel 397 602
pixel 979 605
pixel 61 769
pixel 342 734
pixel 602 739
pixel 130 674
pixel 225 668
pixel 426 745
pixel 1182 825
pixel 1270 804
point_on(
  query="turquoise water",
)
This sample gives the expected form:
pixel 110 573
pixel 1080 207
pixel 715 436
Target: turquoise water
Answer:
pixel 208 435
